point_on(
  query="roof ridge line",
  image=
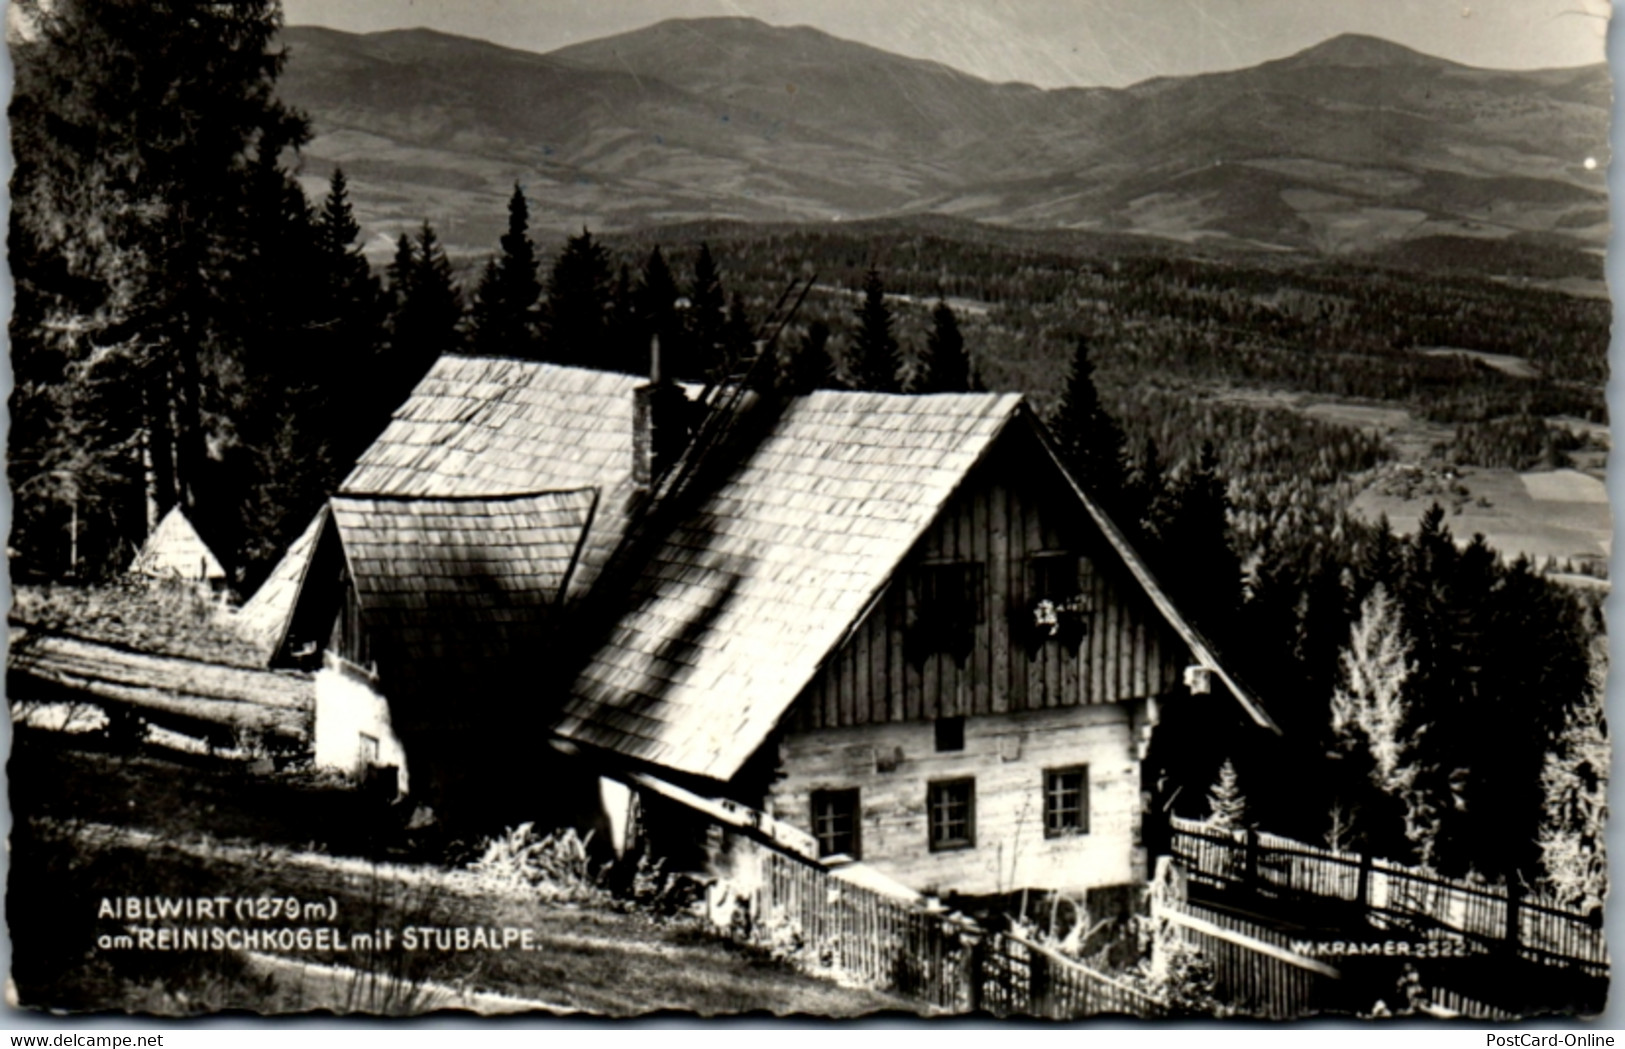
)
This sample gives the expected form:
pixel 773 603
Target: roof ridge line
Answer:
pixel 383 497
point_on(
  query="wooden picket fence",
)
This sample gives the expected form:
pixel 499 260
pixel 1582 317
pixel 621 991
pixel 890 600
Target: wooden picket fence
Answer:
pixel 833 927
pixel 1255 969
pixel 1266 865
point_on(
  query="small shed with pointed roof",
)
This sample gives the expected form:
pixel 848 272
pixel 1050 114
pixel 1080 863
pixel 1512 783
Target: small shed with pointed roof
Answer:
pixel 174 550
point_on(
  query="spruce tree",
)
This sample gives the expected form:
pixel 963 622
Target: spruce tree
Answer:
pixel 135 130
pixel 1372 720
pixel 626 348
pixel 398 275
pixel 704 353
pixel 1195 559
pixel 580 304
pixel 875 362
pixel 810 367
pixel 503 321
pixel 1227 806
pixel 1145 500
pixel 1574 782
pixel 1091 442
pixel 427 313
pixel 947 366
pixel 738 349
pixel 654 309
pixel 350 315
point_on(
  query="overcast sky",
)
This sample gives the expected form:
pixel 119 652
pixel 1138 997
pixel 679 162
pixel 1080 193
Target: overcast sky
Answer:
pixel 1045 42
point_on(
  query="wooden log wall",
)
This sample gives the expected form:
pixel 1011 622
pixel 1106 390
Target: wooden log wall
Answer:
pixel 1011 511
pixel 892 765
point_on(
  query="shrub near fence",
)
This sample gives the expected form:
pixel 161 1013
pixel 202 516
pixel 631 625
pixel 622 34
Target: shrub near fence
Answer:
pixel 1273 866
pixel 831 926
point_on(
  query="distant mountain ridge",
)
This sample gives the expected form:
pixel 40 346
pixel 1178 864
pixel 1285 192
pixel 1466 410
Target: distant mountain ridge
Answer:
pixel 1352 145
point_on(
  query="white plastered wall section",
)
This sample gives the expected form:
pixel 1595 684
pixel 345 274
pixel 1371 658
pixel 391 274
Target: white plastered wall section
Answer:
pixel 1007 755
pixel 347 708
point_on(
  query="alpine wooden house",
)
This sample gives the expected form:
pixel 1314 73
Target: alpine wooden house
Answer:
pixel 891 621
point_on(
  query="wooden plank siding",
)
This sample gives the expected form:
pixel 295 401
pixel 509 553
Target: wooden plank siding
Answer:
pixel 1000 519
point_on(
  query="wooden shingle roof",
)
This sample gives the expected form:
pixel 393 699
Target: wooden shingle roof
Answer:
pixel 174 550
pixel 480 426
pixel 457 582
pixel 264 618
pixel 733 605
pixel 743 600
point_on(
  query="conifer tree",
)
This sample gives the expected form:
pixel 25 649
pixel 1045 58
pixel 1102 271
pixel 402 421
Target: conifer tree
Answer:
pixel 349 314
pixel 947 367
pixel 427 312
pixel 654 309
pixel 135 130
pixel 399 274
pixel 1372 719
pixel 702 353
pixel 1195 559
pixel 627 349
pixel 738 350
pixel 503 321
pixel 580 305
pixel 1227 806
pixel 1574 781
pixel 1091 442
pixel 875 362
pixel 810 367
pixel 1145 497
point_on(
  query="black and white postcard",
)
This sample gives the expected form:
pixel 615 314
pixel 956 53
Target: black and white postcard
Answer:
pixel 816 507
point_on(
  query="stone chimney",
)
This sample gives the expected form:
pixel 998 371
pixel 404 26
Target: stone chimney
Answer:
pixel 660 412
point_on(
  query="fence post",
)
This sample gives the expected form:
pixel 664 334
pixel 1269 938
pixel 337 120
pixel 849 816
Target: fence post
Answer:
pixel 1363 897
pixel 1250 862
pixel 1038 982
pixel 1512 911
pixel 974 959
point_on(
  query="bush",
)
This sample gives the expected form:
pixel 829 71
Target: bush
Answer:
pixel 555 867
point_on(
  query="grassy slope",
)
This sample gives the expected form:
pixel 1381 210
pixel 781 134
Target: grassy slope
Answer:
pixel 147 826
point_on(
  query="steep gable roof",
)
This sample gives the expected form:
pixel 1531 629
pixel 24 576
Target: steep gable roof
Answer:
pixel 459 582
pixel 174 550
pixel 740 603
pixel 1200 647
pixel 264 618
pixel 483 426
pixel 736 607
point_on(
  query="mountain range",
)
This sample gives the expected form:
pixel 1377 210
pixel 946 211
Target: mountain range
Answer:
pixel 1353 145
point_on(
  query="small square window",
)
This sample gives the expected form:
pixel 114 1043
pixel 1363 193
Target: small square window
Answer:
pixel 950 734
pixel 835 822
pixel 369 750
pixel 1052 576
pixel 1066 801
pixel 950 594
pixel 951 808
pixel 947 600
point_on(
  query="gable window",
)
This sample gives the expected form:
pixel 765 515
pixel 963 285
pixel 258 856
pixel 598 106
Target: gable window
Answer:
pixel 950 734
pixel 951 809
pixel 947 601
pixel 1056 608
pixel 1066 801
pixel 835 822
pixel 1052 575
